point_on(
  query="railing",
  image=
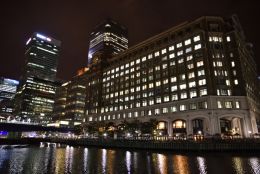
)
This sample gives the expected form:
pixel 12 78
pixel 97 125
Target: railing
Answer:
pixel 18 122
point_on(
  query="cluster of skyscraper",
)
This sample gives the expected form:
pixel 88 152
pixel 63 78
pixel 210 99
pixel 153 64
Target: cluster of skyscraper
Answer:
pixel 199 76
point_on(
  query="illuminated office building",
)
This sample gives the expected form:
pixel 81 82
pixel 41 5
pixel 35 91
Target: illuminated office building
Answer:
pixel 109 37
pixel 35 98
pixel 69 104
pixel 8 88
pixel 196 78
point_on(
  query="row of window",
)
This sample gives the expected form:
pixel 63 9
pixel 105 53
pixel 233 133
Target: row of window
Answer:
pixel 171 109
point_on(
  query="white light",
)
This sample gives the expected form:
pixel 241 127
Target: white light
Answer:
pixel 46 50
pixel 199 132
pixel 43 37
pixel 28 41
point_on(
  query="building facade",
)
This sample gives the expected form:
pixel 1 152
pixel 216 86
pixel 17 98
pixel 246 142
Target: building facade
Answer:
pixel 8 88
pixel 35 98
pixel 109 36
pixel 69 104
pixel 196 78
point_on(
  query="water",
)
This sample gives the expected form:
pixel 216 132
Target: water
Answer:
pixel 67 159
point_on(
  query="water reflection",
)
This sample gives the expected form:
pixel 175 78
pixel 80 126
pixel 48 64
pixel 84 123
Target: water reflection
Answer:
pixel 85 162
pixel 63 160
pixel 59 161
pixel 104 160
pixel 238 165
pixel 181 164
pixel 128 161
pixel 68 159
pixel 162 163
pixel 202 165
pixel 255 165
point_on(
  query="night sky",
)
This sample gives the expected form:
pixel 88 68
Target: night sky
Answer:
pixel 72 21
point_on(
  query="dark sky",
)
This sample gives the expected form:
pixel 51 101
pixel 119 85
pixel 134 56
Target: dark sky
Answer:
pixel 71 21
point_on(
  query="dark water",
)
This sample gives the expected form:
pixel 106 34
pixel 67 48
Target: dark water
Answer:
pixel 66 159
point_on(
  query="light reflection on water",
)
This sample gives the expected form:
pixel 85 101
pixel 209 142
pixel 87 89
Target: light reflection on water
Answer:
pixel 67 159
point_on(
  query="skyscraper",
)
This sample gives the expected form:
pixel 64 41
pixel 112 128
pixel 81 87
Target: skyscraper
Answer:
pixel 8 89
pixel 109 37
pixel 35 98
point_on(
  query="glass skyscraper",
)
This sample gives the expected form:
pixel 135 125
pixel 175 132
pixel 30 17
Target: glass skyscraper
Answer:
pixel 109 37
pixel 35 98
pixel 8 89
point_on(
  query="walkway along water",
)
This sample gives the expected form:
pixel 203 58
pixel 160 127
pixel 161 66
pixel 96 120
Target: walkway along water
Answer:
pixel 249 144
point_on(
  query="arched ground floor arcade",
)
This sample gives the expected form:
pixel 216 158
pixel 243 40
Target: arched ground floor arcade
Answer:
pixel 240 125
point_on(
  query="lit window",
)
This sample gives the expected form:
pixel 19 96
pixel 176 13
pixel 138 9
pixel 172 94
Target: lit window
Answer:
pixel 181 60
pixel 151 102
pixel 202 82
pixel 137 61
pixel 188 50
pixel 237 104
pixel 228 104
pixel 166 99
pixel 187 42
pixel 150 56
pixel 171 48
pixel 198 46
pixel 183 86
pixel 192 84
pixel 165 81
pixel 174 97
pixel 203 105
pixel 236 82
pixel 233 64
pixel 143 59
pixel 150 85
pixel 182 77
pixel 157 111
pixel 179 45
pixel 156 54
pixel 173 109
pixel 173 79
pixel 158 83
pixel 164 66
pixel 179 53
pixel 196 38
pixel 219 104
pixel 190 66
pixel 171 55
pixel 201 72
pixel 183 107
pixel 163 51
pixel 183 95
pixel 193 94
pixel 174 88
pixel 228 39
pixel 203 92
pixel 200 63
pixel 165 110
pixel 189 57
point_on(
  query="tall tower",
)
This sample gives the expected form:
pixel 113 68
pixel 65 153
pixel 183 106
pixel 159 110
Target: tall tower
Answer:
pixel 35 98
pixel 109 37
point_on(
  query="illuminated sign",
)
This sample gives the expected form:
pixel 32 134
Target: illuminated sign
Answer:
pixel 3 133
pixel 43 37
